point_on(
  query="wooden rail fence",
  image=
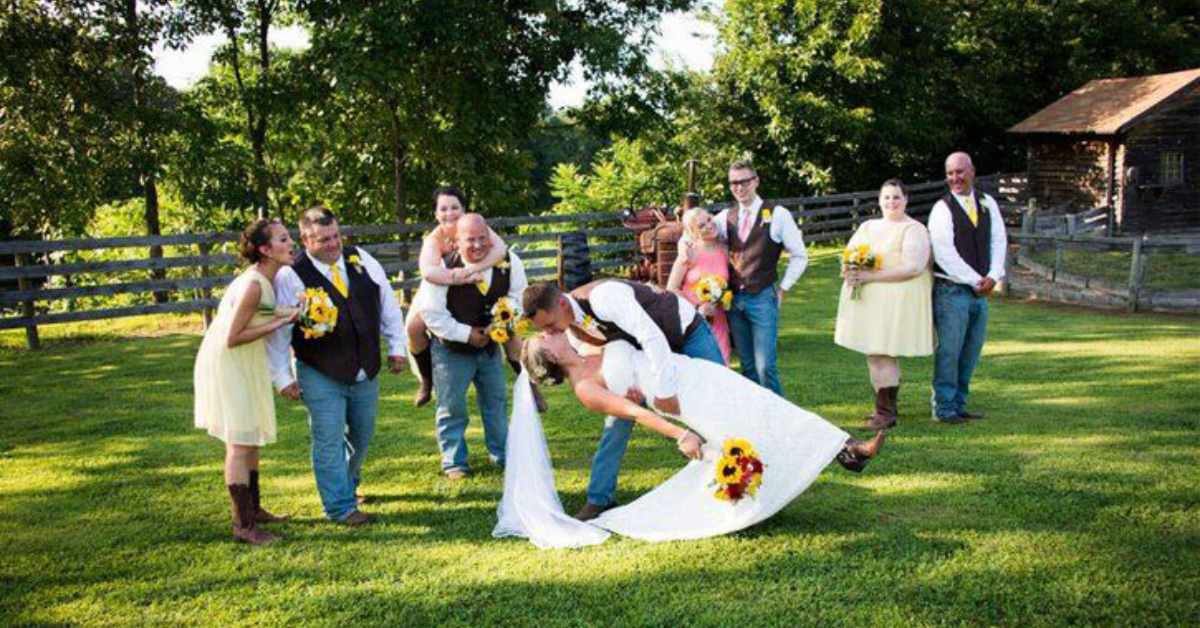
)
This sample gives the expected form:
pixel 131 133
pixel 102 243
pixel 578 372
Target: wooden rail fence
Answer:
pixel 205 261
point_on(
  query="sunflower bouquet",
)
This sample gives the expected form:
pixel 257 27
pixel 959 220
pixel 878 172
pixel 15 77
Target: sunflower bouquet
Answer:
pixel 860 257
pixel 506 321
pixel 713 289
pixel 739 471
pixel 318 314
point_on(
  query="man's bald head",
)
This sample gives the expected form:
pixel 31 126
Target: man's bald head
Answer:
pixel 473 238
pixel 960 173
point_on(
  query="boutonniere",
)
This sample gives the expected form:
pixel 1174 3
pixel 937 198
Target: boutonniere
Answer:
pixel 357 263
pixel 766 215
pixel 502 264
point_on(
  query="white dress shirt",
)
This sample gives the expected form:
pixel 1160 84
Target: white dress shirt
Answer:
pixel 614 301
pixel 288 290
pixel 941 239
pixel 437 314
pixel 783 230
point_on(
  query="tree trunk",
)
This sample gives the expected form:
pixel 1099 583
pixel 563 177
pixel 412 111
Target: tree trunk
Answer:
pixel 144 155
pixel 258 131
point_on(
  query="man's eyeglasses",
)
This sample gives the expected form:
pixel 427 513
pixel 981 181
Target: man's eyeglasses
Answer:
pixel 737 183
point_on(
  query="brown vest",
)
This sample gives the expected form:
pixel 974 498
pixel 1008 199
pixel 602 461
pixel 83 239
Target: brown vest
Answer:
pixel 662 307
pixel 469 306
pixel 752 263
pixel 973 242
pixel 354 342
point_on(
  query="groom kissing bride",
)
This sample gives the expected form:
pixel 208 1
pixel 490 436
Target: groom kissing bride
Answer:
pixel 723 411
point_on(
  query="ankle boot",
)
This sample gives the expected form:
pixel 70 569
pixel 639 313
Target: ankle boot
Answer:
pixel 260 514
pixel 537 393
pixel 885 409
pixel 855 454
pixel 244 528
pixel 423 368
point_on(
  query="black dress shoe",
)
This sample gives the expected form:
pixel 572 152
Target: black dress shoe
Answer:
pixel 971 415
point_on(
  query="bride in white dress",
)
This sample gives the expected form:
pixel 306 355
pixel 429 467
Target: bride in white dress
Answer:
pixel 717 405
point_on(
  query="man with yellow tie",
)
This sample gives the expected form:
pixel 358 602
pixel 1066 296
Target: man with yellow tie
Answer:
pixel 966 232
pixel 336 372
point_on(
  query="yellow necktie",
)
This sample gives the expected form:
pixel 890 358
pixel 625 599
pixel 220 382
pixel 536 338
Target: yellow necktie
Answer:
pixel 336 276
pixel 483 287
pixel 972 212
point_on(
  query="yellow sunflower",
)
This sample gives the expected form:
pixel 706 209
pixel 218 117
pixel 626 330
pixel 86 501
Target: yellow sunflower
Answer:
pixel 728 471
pixel 738 447
pixel 499 334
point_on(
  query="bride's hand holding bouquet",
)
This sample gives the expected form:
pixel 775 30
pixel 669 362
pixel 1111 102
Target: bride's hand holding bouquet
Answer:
pixel 857 264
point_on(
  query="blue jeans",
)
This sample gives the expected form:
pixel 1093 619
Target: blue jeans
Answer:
pixel 960 318
pixel 341 418
pixel 453 373
pixel 606 464
pixel 754 325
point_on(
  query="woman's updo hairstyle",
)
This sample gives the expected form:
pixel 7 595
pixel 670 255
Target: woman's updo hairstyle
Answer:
pixel 257 234
pixel 537 362
pixel 896 183
pixel 450 190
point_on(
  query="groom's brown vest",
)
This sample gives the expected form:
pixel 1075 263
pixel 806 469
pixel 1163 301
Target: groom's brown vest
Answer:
pixel 662 307
pixel 354 342
pixel 753 262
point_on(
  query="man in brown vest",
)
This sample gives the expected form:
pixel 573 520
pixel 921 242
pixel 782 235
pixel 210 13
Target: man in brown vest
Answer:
pixel 336 373
pixel 659 323
pixel 966 233
pixel 757 235
pixel 463 353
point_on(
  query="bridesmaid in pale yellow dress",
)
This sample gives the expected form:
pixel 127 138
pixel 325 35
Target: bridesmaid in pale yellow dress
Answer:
pixel 234 402
pixel 893 315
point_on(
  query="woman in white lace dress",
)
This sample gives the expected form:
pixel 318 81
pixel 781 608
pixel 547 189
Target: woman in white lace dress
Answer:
pixel 718 407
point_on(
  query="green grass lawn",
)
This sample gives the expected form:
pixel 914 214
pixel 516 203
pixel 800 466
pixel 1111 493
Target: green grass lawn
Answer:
pixel 1075 502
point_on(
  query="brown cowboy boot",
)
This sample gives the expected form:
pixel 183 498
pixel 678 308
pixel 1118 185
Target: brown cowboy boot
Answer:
pixel 885 409
pixel 260 514
pixel 423 368
pixel 855 454
pixel 537 393
pixel 244 528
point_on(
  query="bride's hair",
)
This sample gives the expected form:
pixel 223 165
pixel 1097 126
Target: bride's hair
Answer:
pixel 540 364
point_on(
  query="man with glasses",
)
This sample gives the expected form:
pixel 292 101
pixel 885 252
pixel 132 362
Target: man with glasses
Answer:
pixel 757 236
pixel 336 372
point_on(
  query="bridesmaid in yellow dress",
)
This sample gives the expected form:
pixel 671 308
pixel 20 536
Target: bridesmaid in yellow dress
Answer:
pixel 893 315
pixel 234 402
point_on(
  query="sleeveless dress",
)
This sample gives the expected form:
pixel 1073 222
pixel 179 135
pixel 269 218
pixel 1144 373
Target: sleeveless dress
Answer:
pixel 719 404
pixel 888 318
pixel 710 262
pixel 234 400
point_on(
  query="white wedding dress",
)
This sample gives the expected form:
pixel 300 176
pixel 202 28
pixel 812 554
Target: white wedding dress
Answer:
pixel 715 402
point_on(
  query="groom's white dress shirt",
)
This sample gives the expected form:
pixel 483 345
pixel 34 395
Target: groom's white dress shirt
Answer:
pixel 443 324
pixel 614 301
pixel 289 288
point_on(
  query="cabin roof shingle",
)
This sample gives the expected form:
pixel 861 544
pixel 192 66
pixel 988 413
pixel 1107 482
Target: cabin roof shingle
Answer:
pixel 1107 106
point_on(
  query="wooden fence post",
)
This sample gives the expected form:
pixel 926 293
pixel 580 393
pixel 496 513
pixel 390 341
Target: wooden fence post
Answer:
pixel 1072 224
pixel 1110 220
pixel 31 330
pixel 1135 275
pixel 1058 259
pixel 205 292
pixel 1029 218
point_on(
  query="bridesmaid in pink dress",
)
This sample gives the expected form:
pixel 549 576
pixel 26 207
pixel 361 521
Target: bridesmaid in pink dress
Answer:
pixel 702 253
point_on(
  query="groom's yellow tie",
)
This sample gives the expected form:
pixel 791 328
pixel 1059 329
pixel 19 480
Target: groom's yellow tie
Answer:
pixel 336 276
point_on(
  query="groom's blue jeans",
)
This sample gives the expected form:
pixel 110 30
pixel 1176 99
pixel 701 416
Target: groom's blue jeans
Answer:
pixel 342 419
pixel 606 464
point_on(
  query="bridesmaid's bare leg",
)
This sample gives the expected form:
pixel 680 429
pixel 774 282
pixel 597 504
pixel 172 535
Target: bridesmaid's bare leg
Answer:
pixel 885 379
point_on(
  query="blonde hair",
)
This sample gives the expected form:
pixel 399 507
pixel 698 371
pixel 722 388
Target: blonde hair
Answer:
pixel 539 363
pixel 689 221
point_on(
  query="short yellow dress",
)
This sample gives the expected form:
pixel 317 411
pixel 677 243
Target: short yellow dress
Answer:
pixel 234 399
pixel 890 318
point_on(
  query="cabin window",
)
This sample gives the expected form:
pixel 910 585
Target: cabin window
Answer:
pixel 1172 168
